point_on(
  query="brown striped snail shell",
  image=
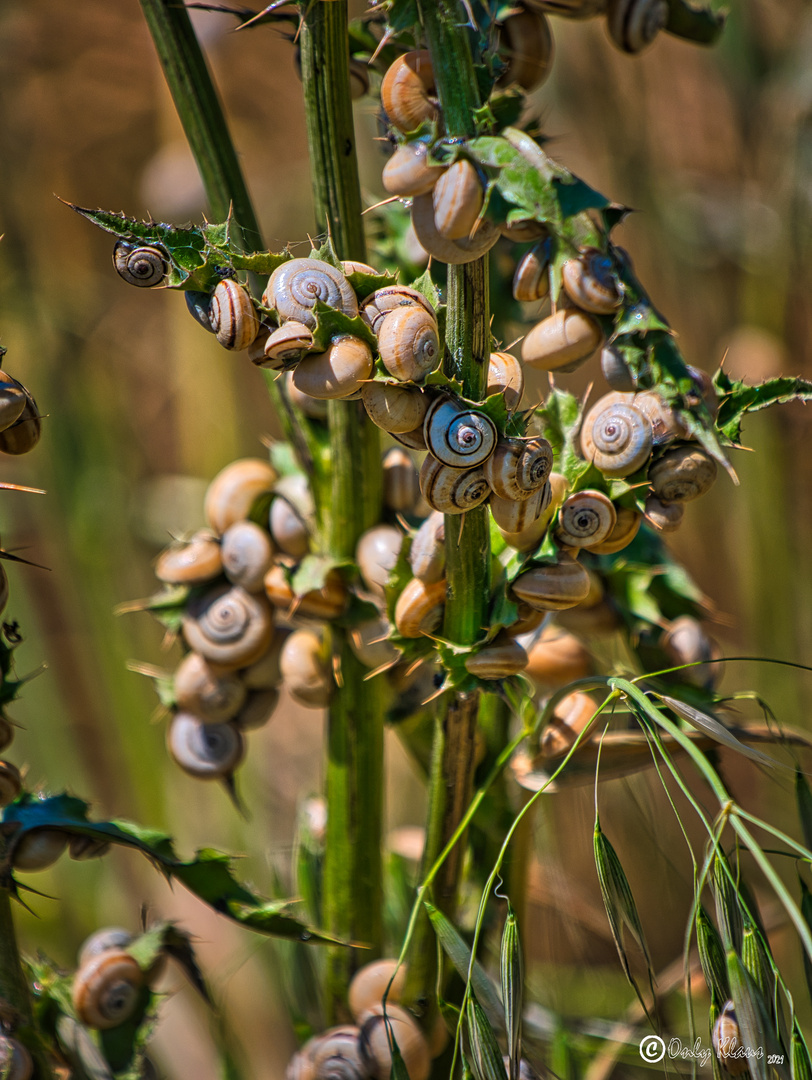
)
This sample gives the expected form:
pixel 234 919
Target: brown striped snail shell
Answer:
pixel 12 400
pixel 562 341
pixel 408 343
pixel 39 849
pixel 458 199
pixel 205 751
pixel 664 516
pixel 412 440
pixel 440 247
pixel 506 377
pixel 626 528
pixel 264 674
pixel 499 659
pixel 144 265
pixel 235 489
pixel 664 422
pixel 257 710
pixel 378 305
pixel 616 436
pixel 107 990
pixel 408 173
pixel 727 1041
pixel 518 515
pixel 109 937
pixel 616 371
pixel 200 688
pixel 527 620
pixel 328 602
pixel 314 408
pixel 285 346
pixel 570 717
pixel 11 783
pixel 526 46
pixel 376 1051
pixel 590 283
pixel 370 982
pixel 531 279
pixel 295 286
pixel 634 24
pixel 247 554
pixel 339 371
pixel 401 484
pixel 450 490
pixel 305 670
pixel 191 563
pixel 368 640
pixel 288 528
pixel 376 554
pixel 406 89
pixel 232 315
pixel 419 608
pixel 682 474
pixel 16 1062
pixel 427 553
pixel 395 408
pixel 556 658
pixel 333 1055
pixel 23 435
pixel 228 626
pixel 459 437
pixel 523 231
pixel 554 586
pixel 352 266
pixel 585 518
pixel 529 537
pixel 518 467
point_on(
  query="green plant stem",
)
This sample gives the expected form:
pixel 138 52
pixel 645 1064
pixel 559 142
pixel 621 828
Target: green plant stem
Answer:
pixel 353 892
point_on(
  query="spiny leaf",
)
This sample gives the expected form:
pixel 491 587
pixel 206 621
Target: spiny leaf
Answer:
pixel 313 571
pixel 512 975
pixel 459 954
pixel 737 399
pixel 486 1057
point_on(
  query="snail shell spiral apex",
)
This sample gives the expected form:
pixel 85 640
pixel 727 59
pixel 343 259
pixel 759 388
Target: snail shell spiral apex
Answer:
pixel 228 626
pixel 458 437
pixel 616 435
pixel 518 467
pixel 233 316
pixel 109 937
pixel 143 266
pixel 295 286
pixel 585 518
pixel 107 990
pixel 200 688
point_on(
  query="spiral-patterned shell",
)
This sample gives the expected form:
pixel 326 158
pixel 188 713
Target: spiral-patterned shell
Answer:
pixel 585 518
pixel 229 626
pixel 452 491
pixel 682 474
pixel 107 989
pixel 295 286
pixel 377 306
pixel 531 281
pixel 634 24
pixel 590 283
pixel 506 377
pixel 553 587
pixel 408 343
pixel 518 467
pixel 335 1054
pixel 461 438
pixel 205 751
pixel 233 316
pixel 616 435
pixel 143 266
pixel 406 88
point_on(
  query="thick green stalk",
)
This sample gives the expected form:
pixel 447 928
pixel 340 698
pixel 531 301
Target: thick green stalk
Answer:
pixel 353 893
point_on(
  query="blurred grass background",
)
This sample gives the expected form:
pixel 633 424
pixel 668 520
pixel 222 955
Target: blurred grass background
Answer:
pixel 713 146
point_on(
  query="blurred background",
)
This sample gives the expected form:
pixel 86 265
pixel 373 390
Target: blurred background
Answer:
pixel 713 147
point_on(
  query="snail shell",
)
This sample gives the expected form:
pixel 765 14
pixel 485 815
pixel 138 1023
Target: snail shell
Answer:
pixel 359 82
pixel 328 602
pixel 616 371
pixel 144 266
pixel 234 490
pixel 377 305
pixel 369 642
pixel 556 658
pixel 212 695
pixel 315 408
pixel 406 89
pixel 351 266
pixel 258 710
pixel 288 528
pixel 22 435
pixel 375 1048
pixel 450 251
pixel 517 516
pixel 501 658
pixel 727 1041
pixel 10 782
pixel 107 990
pixel 459 437
pixel 562 341
pixel 264 674
pixel 369 984
pixel 704 390
pixel 295 286
pixel 13 399
pixel 205 751
pixel 407 173
pixel 505 376
pixel 333 1055
pixel 419 608
pixel 228 626
pixel 199 305
pixel 376 554
pixel 518 467
pixel 305 670
pixel 87 847
pixel 401 484
pixel 458 199
pixel 233 316
pixel 413 440
pixel 526 45
pixel 590 283
pixel 531 279
pixel 450 490
pixel 109 937
pixel 427 553
pixel 586 518
pixel 286 346
pixel 39 849
pixel 665 516
pixel 247 554
pixel 571 716
pixel 626 528
pixel 634 24
pixel 616 436
pixel 15 1060
pixel 529 537
pixel 554 586
pixel 408 343
pixel 395 408
pixel 682 474
pixel 527 620
pixel 686 642
pixel 664 423
pixel 191 563
pixel 336 373
pixel 523 231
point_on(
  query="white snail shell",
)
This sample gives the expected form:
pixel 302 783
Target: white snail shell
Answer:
pixel 450 490
pixel 341 370
pixel 664 516
pixel 109 937
pixel 458 198
pixel 501 658
pixel 315 408
pixel 376 554
pixel 295 286
pixel 233 491
pixel 450 251
pixel 407 173
pixel 205 751
pixel 257 710
pixel 39 849
pixel 11 783
pixel 401 484
pixel 626 528
pixel 211 694
pixel 518 467
pixel 106 991
pixel 233 316
pixel 369 983
pixel 531 279
pixel 616 370
pixel 590 283
pixel 556 658
pixel 529 537
pixel 634 24
pixel 352 266
pixel 682 474
pixel 247 554
pixel 427 553
pixel 378 305
pixel 526 45
pixel 285 346
pixel 375 1049
pixel 554 586
pixel 727 1041
pixel 15 1060
pixel 505 376
pixel 229 626
pixel 406 89
pixel 562 341
pixel 328 602
pixel 586 518
pixel 192 563
pixel 419 608
pixel 519 515
pixel 144 266
pixel 571 716
pixel 395 408
pixel 288 528
pixel 459 437
pixel 305 671
pixel 408 343
pixel 616 435
pixel 368 641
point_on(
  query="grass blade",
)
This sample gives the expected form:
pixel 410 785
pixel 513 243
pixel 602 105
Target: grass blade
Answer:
pixel 755 960
pixel 717 731
pixel 512 972
pixel 806 911
pixel 799 1057
pixel 712 958
pixel 755 1026
pixel 486 1057
pixel 803 795
pixel 459 954
pixel 726 898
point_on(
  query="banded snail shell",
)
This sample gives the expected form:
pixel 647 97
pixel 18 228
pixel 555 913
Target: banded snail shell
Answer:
pixel 427 553
pixel 235 489
pixel 305 669
pixel 288 528
pixel 377 553
pixel 375 1048
pixel 109 937
pixel 205 751
pixel 531 279
pixel 562 341
pixel 665 516
pixel 328 602
pixel 570 717
pixel 378 305
pixel 519 515
pixel 144 266
pixel 107 990
pixel 450 251
pixel 335 1054
pixel 526 46
pixel 257 710
pixel 408 343
pixel 554 586
pixel 24 434
pixel 13 400
pixel 408 173
pixel 458 199
pixel 352 266
pixel 518 467
pixel 395 408
pixel 406 89
pixel 527 620
pixel 401 484
pixel 626 528
pixel 523 230
pixel 370 982
pixel 459 437
pixel 727 1041
pixel 664 422
pixel 212 695
pixel 314 408
pixel 87 847
pixel 191 563
pixel 419 608
pixel 585 518
pixel 11 783
pixel 450 490
pixel 529 537
pixel 556 658
pixel 506 377
pixel 38 849
pixel 687 642
pixel 499 659
pixel 412 440
pixel 682 474
pixel 336 373
pixel 616 371
pixel 286 346
pixel 295 286
pixel 616 436
pixel 228 626
pixel 16 1062
pixel 233 316
pixel 590 283
pixel 634 24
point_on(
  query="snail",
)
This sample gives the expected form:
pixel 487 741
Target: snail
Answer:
pixel 427 553
pixel 232 315
pixel 212 695
pixel 505 376
pixel 328 602
pixel 205 751
pixel 523 230
pixel 664 423
pixel 376 554
pixel 247 554
pixel 556 658
pixel 234 490
pixel 333 1055
pixel 531 279
pixel 368 641
pixel 376 1051
pixel 526 46
pixel 15 1060
pixel 408 173
pixel 682 474
pixel 616 371
pixel 517 516
pixel 285 346
pixel 616 436
pixel 337 372
pixel 453 491
pixel 369 983
pixel 401 485
pixel 527 620
pixel 13 399
pixel 352 266
pixel 553 586
pixel 144 266
pixel 11 783
pixel 413 440
pixel 665 516
pixel 499 659
pixel 626 528
pixel 590 283
pixel 39 849
pixel 459 437
pixel 419 608
pixel 82 847
pixel 408 343
pixel 585 518
pixel 562 341
pixel 406 89
pixel 686 642
pixel 528 538
pixel 519 467
pixel 257 710
pixel 288 528
pixel 379 304
pixel 634 24
pixel 359 81
pixel 191 563
pixel 450 251
pixel 264 674
pixel 23 435
pixel 295 286
pixel 458 198
pixel 727 1041
pixel 570 716
pixel 314 408
pixel 109 937
pixel 305 670
pixel 228 626
pixel 107 989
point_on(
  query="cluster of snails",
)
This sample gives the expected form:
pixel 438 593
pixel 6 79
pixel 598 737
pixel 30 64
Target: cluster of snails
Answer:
pixel 109 984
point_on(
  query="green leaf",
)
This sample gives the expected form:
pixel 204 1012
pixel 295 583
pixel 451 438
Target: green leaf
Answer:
pixel 365 284
pixel 711 726
pixel 800 1058
pixel 426 287
pixel 753 1017
pixel 261 263
pixel 712 957
pixel 695 23
pixel 726 898
pixel 737 399
pixel 755 960
pixel 459 954
pixel 575 196
pixel 330 323
pixel 806 911
pixel 486 1057
pixel 512 975
pixel 313 571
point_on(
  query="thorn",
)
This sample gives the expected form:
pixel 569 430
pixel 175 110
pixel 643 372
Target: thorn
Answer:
pixel 381 45
pixel 383 202
pixel 21 487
